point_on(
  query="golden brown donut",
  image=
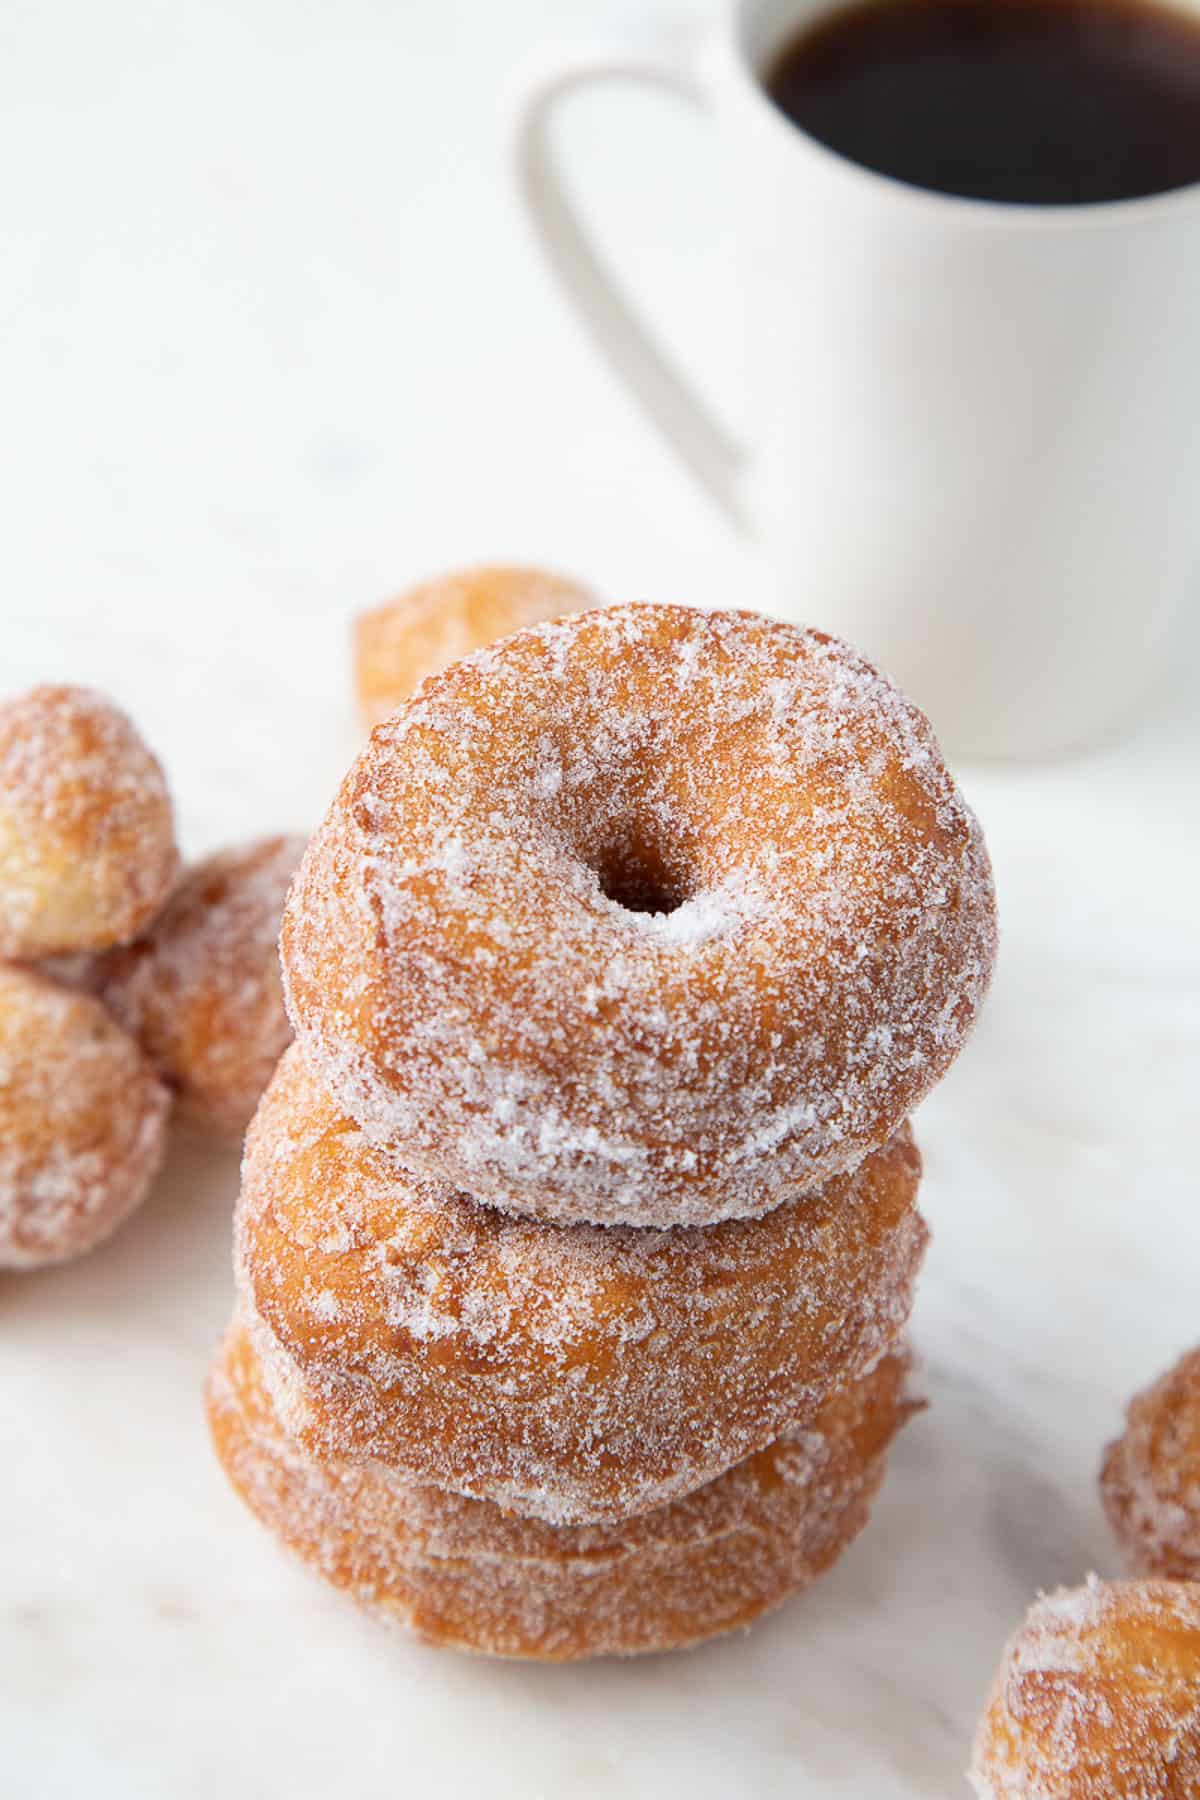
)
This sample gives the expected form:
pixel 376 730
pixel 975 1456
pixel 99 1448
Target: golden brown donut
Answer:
pixel 570 1372
pixel 1097 1698
pixel 82 1122
pixel 87 836
pixel 645 916
pixel 462 1574
pixel 200 990
pixel 397 644
pixel 1150 1479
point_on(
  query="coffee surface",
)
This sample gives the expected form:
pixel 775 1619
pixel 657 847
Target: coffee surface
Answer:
pixel 1043 102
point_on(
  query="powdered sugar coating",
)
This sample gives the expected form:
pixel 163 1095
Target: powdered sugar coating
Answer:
pixel 201 989
pixel 1150 1479
pixel 87 838
pixel 473 996
pixel 568 1372
pixel 1097 1698
pixel 398 644
pixel 82 1122
pixel 462 1574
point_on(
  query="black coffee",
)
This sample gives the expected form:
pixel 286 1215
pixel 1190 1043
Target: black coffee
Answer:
pixel 1046 102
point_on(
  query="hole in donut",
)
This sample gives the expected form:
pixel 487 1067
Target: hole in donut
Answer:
pixel 634 876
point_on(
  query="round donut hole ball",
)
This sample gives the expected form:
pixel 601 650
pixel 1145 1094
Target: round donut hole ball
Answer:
pixel 465 1575
pixel 1150 1478
pixel 398 644
pixel 571 1373
pixel 82 1122
pixel 1097 1698
pixel 87 836
pixel 201 989
pixel 644 916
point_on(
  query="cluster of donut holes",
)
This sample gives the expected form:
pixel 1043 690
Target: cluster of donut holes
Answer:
pixel 123 984
pixel 463 1574
pixel 576 1373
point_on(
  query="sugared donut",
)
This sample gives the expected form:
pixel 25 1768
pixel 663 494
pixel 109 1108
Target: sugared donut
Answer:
pixel 397 644
pixel 87 837
pixel 462 1574
pixel 201 989
pixel 569 1372
pixel 1150 1479
pixel 1097 1698
pixel 644 916
pixel 82 1122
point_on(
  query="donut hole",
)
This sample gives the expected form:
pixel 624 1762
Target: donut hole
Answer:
pixel 640 878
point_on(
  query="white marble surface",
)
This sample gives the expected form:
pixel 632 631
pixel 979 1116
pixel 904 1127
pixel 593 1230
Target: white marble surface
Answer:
pixel 275 341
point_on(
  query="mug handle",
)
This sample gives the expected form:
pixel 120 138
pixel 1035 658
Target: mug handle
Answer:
pixel 712 455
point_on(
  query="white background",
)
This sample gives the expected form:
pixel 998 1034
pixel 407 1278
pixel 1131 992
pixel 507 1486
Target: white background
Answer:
pixel 274 341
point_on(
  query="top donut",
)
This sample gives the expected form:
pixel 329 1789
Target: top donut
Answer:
pixel 644 915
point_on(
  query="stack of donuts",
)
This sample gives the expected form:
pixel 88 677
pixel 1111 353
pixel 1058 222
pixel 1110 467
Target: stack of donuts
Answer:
pixel 578 1230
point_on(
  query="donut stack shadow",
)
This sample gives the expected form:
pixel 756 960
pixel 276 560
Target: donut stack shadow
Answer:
pixel 528 1357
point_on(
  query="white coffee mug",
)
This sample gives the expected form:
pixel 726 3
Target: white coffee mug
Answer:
pixel 975 427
